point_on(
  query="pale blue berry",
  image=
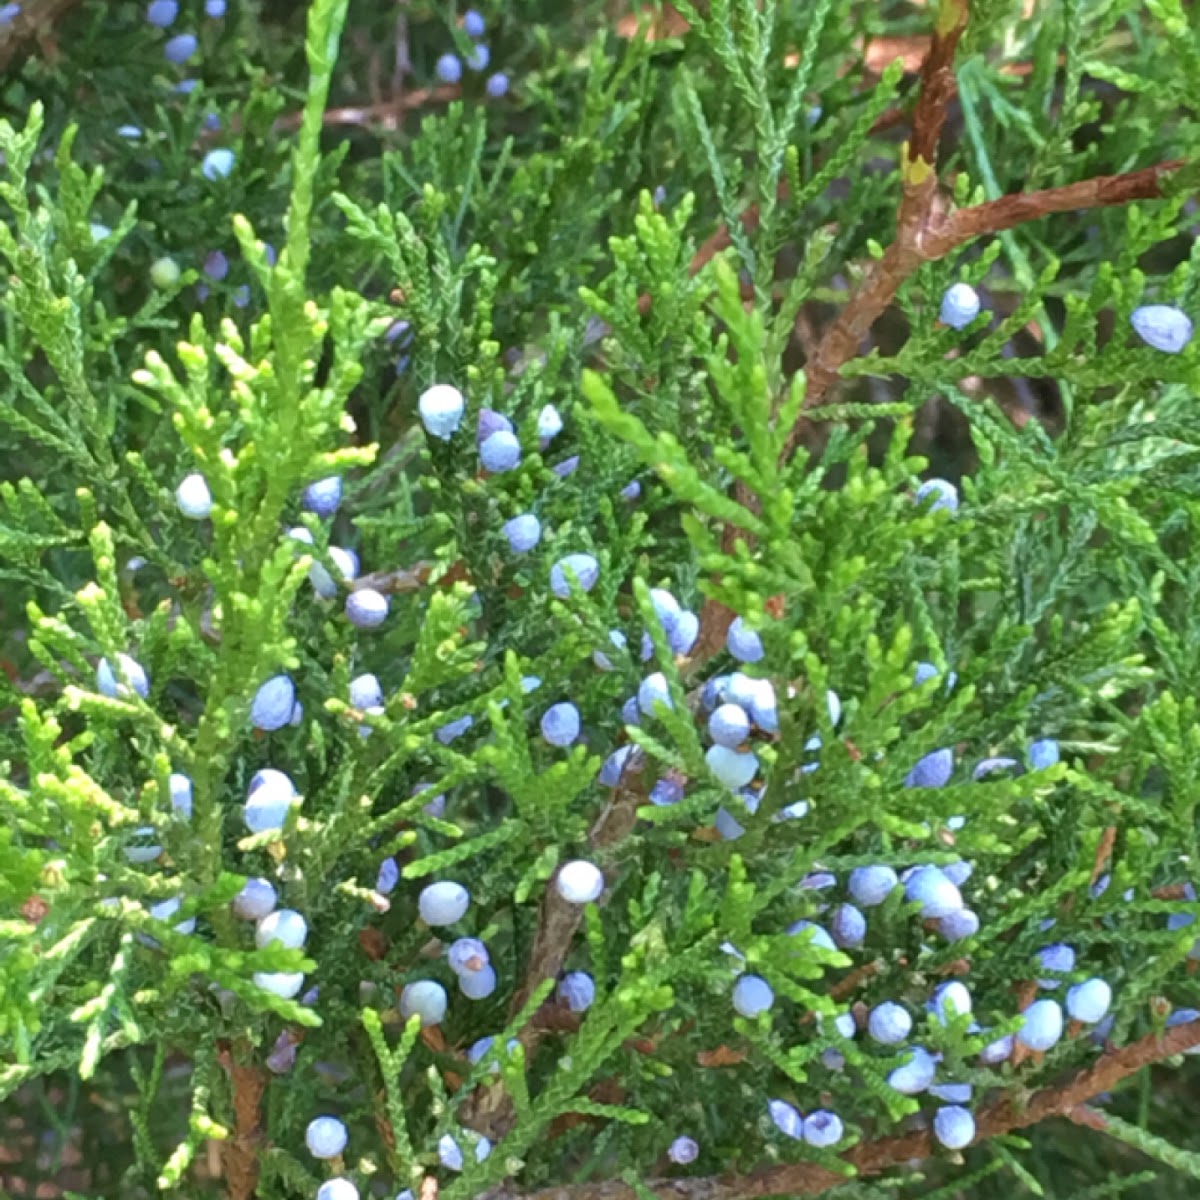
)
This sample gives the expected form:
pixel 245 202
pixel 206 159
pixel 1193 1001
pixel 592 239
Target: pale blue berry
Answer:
pixel 193 498
pixel 324 496
pixel 549 422
pixel 725 825
pixel 325 1137
pixel 729 725
pixel 998 1051
pixel 181 794
pixel 956 926
pixel 735 769
pixel 568 466
pixel 339 1188
pixel 932 771
pixel 441 409
pixel 665 792
pixel 128 676
pixel 164 910
pixel 683 1150
pixel 1043 1025
pixel 478 58
pixel 453 730
pixel 585 569
pixel 744 644
pixel 952 1093
pixel 954 1127
pixel 681 637
pixel 560 724
pixel 523 533
pixel 993 766
pixel 217 164
pixel 501 452
pixel 666 607
pixel 1056 957
pixel 632 490
pixel 1089 1001
pixel 473 24
pixel 273 704
pixel 630 713
pixel 614 765
pixel 181 47
pixel 752 996
pixel 285 927
pixel 162 12
pixel 366 608
pixel 143 849
pixel 960 306
pixel 577 990
pixel 425 999
pixel 491 421
pixel 823 1128
pixel 813 935
pixel 497 85
pixel 713 691
pixel 944 495
pixel 466 955
pixel 387 877
pixel 786 1118
pixel 916 1074
pixel 268 800
pixel 449 68
pixel 889 1023
pixel 849 926
pixel 214 9
pixel 284 984
pixel 1162 326
pixel 366 691
pixel 653 690
pixel 579 882
pixel 950 1000
pixel 478 985
pixel 870 886
pixel 930 888
pixel 256 900
pixel 602 661
pixel 131 133
pixel 1043 753
pixel 443 903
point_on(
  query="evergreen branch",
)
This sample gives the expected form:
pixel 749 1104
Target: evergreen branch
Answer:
pixel 1015 1111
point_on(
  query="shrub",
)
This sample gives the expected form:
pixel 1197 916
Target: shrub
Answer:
pixel 513 692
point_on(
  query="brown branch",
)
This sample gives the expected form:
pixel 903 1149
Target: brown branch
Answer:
pixel 242 1153
pixel 1009 1112
pixel 35 21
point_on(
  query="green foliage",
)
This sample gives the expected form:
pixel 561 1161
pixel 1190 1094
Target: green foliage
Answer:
pixel 551 247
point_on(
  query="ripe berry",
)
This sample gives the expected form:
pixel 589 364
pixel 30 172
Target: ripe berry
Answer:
pixel 960 306
pixel 1057 957
pixel 162 12
pixel 653 690
pixel 181 794
pixel 614 765
pixel 577 990
pixel 181 47
pixel 501 452
pixel 813 934
pixel 256 900
pixel 273 703
pixel 214 9
pixel 324 496
pixel 285 984
pixel 952 1093
pixel 932 771
pixel 823 1128
pixel 956 926
pixel 560 724
pixel 478 985
pixel 285 926
pixel 744 644
pixel 944 495
pixel 998 1051
pixel 870 886
pixel 549 422
pixel 682 636
pixel 579 882
pixel 1089 1001
pixel 478 58
pixel 325 1137
pixel 585 568
pixel 453 730
pixel 1043 753
pixel 733 768
pixel 217 164
pixel 443 903
pixel 131 674
pixel 752 995
pixel 889 1023
pixel 366 608
pixel 193 497
pixel 365 691
pixel 441 408
pixel 935 893
pixel 786 1118
pixel 523 533
pixel 497 85
pixel 729 726
pixel 1043 1025
pixel 602 661
pixel 916 1074
pixel 337 1189
pixel 466 955
pixel 954 1127
pixel 950 1000
pixel 1162 326
pixel 269 797
pixel 849 926
pixel 449 68
pixel 425 999
pixel 724 823
pixel 684 1150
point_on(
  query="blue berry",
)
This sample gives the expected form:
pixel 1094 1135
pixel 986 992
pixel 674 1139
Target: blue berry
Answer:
pixel 162 12
pixel 683 1150
pixel 735 769
pixel 214 9
pixel 725 825
pixel 443 903
pixel 849 926
pixel 665 792
pixel 870 886
pixel 466 955
pixel 666 607
pixel 960 306
pixel 478 985
pixel 549 421
pixel 285 927
pixel 993 766
pixel 181 794
pixel 585 568
pixel 273 704
pixel 338 1188
pixel 448 68
pixel 952 1093
pixel 1089 1001
pixel 786 1118
pixel 366 691
pixel 1043 1025
pixel 614 765
pixel 632 490
pixel 682 636
pixel 823 1128
pixel 713 691
pixel 193 498
pixel 325 1137
pixel 998 1051
pixel 653 690
pixel 479 58
pixel 577 990
pixel 425 999
pixel 1057 957
pixel 601 659
pixel 324 496
pixel 473 24
pixel 916 1074
pixel 497 85
pixel 729 725
pixel 490 421
pixel 129 675
pixel 441 409
pixel 181 47
pixel 256 900
pixel 937 896
pixel 889 1023
pixel 268 799
pixel 286 985
pixel 954 1127
pixel 387 877
pixel 130 132
pixel 216 265
pixel 579 882
pixel 1162 326
pixel 752 996
pixel 560 724
pixel 500 452
pixel 744 644
pixel 813 935
pixel 217 164
pixel 523 533
pixel 932 771
pixel 568 466
pixel 630 713
pixel 956 926
pixel 943 492
pixel 950 1000
pixel 366 608
pixel 1043 753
